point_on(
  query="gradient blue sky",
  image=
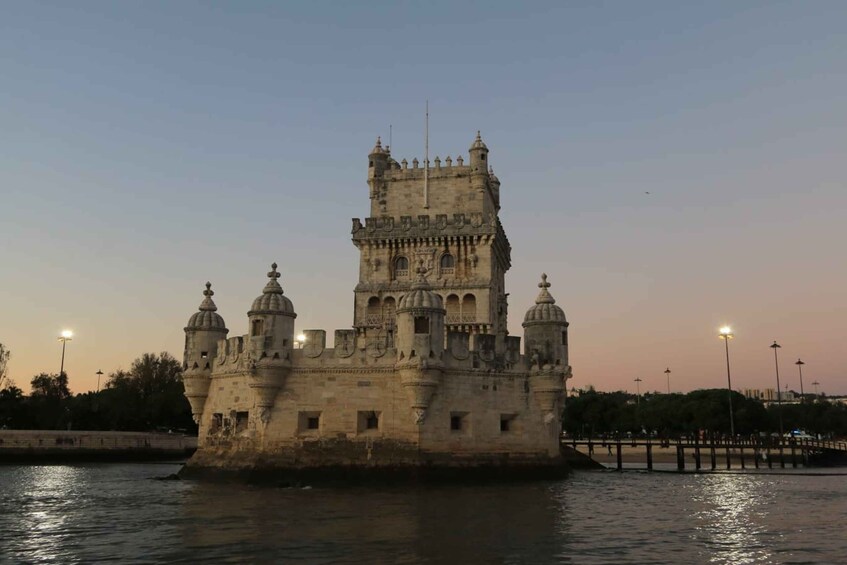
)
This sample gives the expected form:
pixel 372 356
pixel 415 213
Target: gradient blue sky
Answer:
pixel 148 147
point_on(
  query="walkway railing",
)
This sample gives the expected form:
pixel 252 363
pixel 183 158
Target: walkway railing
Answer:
pixel 764 450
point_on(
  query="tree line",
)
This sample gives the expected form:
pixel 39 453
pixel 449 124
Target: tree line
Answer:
pixel 592 413
pixel 147 397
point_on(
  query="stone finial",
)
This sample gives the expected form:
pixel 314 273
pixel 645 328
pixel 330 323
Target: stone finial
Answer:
pixel 273 286
pixel 449 161
pixel 459 161
pixel 544 296
pixel 415 163
pixel 208 305
pixel 273 274
pixel 437 162
pixel 405 164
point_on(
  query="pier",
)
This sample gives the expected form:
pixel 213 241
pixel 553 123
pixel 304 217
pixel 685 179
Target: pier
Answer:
pixel 709 451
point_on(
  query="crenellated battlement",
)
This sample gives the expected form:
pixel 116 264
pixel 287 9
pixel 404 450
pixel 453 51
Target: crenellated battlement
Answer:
pixel 458 223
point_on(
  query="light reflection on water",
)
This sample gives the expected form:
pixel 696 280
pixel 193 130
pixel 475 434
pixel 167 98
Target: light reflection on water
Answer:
pixel 87 513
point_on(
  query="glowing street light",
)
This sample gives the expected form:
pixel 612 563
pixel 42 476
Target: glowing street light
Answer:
pixel 67 335
pixel 776 346
pixel 800 364
pixel 726 335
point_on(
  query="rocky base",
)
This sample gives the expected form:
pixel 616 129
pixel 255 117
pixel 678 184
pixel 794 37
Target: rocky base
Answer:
pixel 322 464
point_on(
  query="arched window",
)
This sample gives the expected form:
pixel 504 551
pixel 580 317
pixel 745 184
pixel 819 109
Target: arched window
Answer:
pixel 374 313
pixel 469 309
pixel 401 267
pixel 454 313
pixel 447 263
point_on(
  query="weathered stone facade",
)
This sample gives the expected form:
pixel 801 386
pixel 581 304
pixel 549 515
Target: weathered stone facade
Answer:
pixel 428 376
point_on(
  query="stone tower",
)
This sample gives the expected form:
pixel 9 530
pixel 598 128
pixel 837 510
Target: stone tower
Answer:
pixel 420 344
pixel 546 350
pixel 271 341
pixel 445 221
pixel 202 333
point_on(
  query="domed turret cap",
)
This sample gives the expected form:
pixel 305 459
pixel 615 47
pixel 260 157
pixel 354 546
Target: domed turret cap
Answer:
pixel 378 150
pixel 478 143
pixel 545 310
pixel 272 301
pixel 420 297
pixel 207 318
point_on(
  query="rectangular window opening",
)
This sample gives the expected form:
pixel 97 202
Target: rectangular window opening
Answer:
pixel 241 421
pixel 309 423
pixel 204 355
pixel 507 422
pixel 458 421
pixel 421 325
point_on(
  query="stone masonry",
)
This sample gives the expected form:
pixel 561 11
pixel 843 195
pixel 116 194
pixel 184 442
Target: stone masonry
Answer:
pixel 427 376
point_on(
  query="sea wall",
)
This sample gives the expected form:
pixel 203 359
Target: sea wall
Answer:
pixel 57 445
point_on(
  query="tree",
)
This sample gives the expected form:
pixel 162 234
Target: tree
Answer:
pixel 50 386
pixel 48 401
pixel 148 396
pixel 5 355
pixel 12 408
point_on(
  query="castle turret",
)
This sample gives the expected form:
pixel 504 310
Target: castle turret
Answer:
pixel 202 333
pixel 546 330
pixel 419 342
pixel 479 156
pixel 271 341
pixel 379 161
pixel 546 349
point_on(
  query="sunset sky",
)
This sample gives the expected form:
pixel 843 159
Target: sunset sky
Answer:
pixel 671 166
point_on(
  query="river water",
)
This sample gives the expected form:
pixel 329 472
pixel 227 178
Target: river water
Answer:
pixel 100 512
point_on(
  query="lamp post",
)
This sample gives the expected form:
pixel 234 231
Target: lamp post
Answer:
pixel 67 335
pixel 668 375
pixel 816 383
pixel 800 364
pixel 637 400
pixel 99 374
pixel 726 335
pixel 776 346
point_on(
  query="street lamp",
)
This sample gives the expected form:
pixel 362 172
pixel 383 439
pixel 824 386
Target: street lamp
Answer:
pixel 67 335
pixel 637 391
pixel 800 364
pixel 726 335
pixel 301 339
pixel 816 383
pixel 776 346
pixel 668 374
pixel 99 374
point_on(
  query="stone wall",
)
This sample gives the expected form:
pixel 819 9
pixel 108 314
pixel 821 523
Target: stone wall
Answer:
pixel 69 441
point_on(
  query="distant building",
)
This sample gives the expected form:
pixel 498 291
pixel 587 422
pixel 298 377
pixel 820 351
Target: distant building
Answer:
pixel 769 395
pixel 427 375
